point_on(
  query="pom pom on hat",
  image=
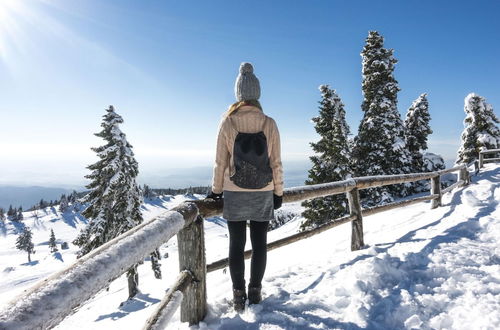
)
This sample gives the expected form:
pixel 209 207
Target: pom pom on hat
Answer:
pixel 247 86
pixel 246 68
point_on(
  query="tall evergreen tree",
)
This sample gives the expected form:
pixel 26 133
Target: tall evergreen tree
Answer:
pixel 2 214
pixel 380 147
pixel 417 130
pixel 331 162
pixel 52 242
pixel 24 242
pixel 114 199
pixel 481 129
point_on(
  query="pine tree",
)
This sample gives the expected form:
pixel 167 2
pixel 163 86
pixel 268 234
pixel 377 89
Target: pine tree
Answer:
pixel 331 162
pixel 114 198
pixel 417 130
pixel 11 211
pixel 52 242
pixel 155 263
pixel 24 242
pixel 2 214
pixel 380 147
pixel 20 213
pixel 480 129
pixel 63 204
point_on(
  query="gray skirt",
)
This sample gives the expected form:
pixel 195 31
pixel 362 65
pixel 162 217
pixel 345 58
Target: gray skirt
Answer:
pixel 248 205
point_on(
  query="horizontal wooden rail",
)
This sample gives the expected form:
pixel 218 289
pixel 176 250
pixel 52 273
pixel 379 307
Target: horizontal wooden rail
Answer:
pixel 219 264
pixel 384 180
pixel 48 302
pixel 489 151
pixel 398 204
pixel 170 303
pixel 483 160
pixel 459 183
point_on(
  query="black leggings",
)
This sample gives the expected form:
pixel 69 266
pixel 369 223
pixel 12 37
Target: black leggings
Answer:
pixel 237 240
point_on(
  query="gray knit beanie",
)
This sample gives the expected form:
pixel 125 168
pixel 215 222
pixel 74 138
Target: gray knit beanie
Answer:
pixel 247 85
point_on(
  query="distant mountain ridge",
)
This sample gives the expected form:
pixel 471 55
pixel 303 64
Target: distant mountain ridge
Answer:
pixel 28 196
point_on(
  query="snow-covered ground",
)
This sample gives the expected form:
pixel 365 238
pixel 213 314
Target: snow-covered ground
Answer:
pixel 421 269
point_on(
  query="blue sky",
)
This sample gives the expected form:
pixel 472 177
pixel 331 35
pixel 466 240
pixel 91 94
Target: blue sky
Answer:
pixel 169 68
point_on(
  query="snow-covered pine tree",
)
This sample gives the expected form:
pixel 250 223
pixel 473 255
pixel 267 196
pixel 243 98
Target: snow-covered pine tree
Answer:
pixel 155 263
pixel 63 204
pixel 380 146
pixel 480 129
pixel 331 162
pixel 114 199
pixel 24 242
pixel 417 130
pixel 52 242
pixel 2 214
pixel 19 216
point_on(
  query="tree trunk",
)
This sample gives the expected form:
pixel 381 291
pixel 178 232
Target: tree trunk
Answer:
pixel 133 281
pixel 29 257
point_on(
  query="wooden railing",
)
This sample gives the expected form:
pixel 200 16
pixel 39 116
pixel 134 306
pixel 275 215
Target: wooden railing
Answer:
pixel 38 308
pixel 483 160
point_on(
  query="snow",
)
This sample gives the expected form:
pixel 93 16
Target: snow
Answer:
pixel 421 269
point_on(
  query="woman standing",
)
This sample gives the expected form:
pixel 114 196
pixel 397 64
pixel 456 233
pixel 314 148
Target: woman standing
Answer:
pixel 249 174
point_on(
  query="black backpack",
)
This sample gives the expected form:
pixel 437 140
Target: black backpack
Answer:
pixel 251 160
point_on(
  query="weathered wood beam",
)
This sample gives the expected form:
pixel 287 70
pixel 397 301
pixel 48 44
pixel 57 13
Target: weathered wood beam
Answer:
pixel 436 190
pixel 449 170
pixel 301 193
pixel 390 206
pixel 191 244
pixel 491 160
pixel 459 183
pixel 164 311
pixel 384 180
pixel 219 264
pixel 489 151
pixel 357 240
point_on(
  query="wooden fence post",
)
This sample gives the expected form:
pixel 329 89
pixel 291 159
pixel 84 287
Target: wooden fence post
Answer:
pixel 463 174
pixel 357 241
pixel 436 190
pixel 191 242
pixel 481 159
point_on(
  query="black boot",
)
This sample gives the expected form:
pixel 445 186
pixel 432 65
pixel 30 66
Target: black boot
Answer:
pixel 239 299
pixel 254 294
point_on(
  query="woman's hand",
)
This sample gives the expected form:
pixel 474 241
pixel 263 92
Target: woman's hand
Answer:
pixel 214 196
pixel 278 200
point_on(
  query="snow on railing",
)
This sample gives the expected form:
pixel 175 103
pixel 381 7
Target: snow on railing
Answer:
pixel 48 302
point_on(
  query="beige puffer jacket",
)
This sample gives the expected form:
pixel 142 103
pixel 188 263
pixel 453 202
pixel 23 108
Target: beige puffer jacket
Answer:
pixel 247 119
